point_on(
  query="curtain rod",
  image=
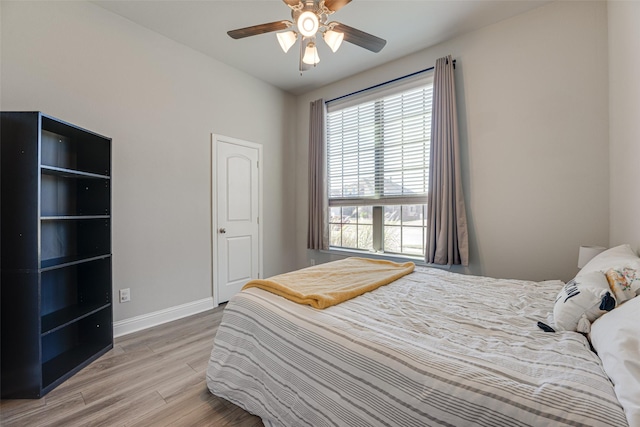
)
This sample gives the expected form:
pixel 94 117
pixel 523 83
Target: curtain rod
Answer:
pixel 387 82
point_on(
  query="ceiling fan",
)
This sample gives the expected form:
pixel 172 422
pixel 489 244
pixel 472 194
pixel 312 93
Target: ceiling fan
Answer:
pixel 309 17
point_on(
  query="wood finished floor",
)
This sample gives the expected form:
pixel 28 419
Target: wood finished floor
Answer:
pixel 155 377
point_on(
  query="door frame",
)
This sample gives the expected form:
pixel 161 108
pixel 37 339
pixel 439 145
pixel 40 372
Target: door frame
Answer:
pixel 216 139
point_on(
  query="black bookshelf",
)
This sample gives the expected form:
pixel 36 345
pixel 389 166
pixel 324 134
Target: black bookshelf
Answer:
pixel 55 251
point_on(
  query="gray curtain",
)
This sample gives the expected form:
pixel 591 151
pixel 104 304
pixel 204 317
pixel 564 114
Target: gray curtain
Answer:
pixel 318 233
pixel 447 236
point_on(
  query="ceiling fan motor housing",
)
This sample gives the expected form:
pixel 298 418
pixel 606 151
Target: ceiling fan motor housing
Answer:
pixel 314 7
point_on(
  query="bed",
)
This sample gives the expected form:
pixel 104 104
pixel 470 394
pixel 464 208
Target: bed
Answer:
pixel 432 348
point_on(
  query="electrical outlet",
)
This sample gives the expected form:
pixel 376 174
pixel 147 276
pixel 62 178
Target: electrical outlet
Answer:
pixel 313 261
pixel 125 295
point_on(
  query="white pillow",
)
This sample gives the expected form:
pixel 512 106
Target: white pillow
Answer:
pixel 619 257
pixel 616 338
pixel 581 301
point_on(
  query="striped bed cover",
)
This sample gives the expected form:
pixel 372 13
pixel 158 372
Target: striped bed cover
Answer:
pixel 433 348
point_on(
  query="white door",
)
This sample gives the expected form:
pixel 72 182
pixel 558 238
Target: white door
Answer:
pixel 236 223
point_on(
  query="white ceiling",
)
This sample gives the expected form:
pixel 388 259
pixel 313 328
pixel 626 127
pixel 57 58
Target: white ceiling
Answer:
pixel 408 27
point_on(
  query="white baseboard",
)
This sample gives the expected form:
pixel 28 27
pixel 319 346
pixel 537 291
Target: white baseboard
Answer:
pixel 138 323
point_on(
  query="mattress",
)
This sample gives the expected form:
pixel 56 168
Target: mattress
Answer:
pixel 433 348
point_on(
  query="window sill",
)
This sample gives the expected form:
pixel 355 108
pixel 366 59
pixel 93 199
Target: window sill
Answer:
pixel 389 257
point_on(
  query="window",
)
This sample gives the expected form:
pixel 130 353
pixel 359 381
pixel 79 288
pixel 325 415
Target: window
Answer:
pixel 378 167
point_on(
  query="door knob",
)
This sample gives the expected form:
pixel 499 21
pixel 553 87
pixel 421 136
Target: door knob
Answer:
pixel 222 230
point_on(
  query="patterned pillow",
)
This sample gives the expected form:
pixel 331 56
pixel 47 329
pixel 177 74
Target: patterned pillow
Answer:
pixel 581 301
pixel 624 282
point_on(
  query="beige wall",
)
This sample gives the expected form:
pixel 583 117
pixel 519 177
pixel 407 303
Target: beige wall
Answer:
pixel 624 116
pixel 533 106
pixel 159 101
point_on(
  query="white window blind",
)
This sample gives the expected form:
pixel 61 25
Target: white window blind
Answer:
pixel 378 145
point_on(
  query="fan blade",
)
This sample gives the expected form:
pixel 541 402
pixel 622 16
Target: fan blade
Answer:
pixel 258 29
pixel 360 38
pixel 292 3
pixel 335 5
pixel 303 45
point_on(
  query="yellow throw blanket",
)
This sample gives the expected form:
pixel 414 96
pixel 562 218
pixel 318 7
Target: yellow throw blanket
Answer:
pixel 324 285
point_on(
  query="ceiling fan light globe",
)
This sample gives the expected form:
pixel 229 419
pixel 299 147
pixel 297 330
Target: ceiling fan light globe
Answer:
pixel 333 39
pixel 308 23
pixel 311 55
pixel 287 39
